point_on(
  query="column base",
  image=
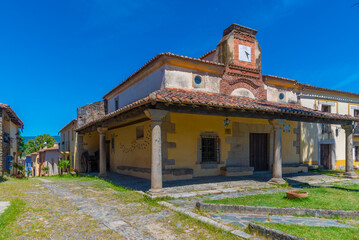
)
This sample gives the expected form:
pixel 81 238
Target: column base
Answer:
pixel 280 181
pixel 155 190
pixel 351 175
pixel 102 175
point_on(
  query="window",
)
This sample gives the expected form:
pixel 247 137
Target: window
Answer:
pixel 140 133
pixel 356 112
pixel 356 150
pixel 198 80
pixel 325 108
pixel 210 149
pixel 116 103
pixel 281 96
pixel 112 143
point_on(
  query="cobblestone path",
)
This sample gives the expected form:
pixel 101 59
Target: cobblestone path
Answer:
pixel 107 215
pixel 86 208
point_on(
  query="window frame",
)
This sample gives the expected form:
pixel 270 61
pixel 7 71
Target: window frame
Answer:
pixel 216 149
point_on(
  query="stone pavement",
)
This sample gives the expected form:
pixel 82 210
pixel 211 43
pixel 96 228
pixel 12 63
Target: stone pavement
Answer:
pixel 242 220
pixel 82 208
pixel 107 215
pixel 217 184
pixel 4 206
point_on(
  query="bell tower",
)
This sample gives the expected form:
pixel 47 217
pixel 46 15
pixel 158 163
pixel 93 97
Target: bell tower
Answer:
pixel 240 52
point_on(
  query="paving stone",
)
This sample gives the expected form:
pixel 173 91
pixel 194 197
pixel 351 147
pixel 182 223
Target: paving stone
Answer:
pixel 4 206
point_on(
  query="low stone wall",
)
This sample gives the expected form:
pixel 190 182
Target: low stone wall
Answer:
pixel 276 211
pixel 269 233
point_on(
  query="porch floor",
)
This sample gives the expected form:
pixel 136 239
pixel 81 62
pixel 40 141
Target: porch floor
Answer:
pixel 217 184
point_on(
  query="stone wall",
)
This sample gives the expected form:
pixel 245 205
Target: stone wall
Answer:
pixel 90 112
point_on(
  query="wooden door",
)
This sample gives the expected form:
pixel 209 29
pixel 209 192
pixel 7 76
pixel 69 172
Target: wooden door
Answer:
pixel 325 155
pixel 258 151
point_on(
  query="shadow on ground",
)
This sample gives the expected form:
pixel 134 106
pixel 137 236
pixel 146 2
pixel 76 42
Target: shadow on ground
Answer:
pixel 140 184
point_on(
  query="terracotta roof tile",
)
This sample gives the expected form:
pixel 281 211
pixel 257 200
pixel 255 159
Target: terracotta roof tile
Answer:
pixel 12 114
pixel 198 98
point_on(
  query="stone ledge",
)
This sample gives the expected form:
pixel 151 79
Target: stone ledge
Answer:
pixel 236 171
pixel 269 233
pixel 206 220
pixel 276 211
pixel 173 171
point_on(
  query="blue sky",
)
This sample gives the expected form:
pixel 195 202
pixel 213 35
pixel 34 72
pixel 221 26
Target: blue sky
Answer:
pixel 58 55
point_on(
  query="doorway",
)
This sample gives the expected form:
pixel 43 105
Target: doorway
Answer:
pixel 258 151
pixel 325 155
pixel 108 145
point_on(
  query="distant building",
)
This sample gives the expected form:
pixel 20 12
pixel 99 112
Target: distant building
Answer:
pixel 49 157
pixel 10 124
pixel 67 142
pixel 28 166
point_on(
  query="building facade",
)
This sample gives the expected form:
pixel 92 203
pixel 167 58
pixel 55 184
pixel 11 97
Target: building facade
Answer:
pixel 67 144
pixel 179 117
pixel 10 125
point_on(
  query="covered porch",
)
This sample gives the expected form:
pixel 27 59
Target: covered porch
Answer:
pixel 155 109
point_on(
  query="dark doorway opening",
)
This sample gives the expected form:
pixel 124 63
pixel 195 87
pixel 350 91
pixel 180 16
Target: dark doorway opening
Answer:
pixel 258 152
pixel 108 149
pixel 325 155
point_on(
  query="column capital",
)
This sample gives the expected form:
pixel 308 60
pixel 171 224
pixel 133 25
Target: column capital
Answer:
pixel 276 123
pixel 348 128
pixel 102 130
pixel 155 115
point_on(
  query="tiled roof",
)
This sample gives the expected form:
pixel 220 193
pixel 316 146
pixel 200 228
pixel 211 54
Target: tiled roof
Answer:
pixel 206 54
pixel 12 114
pixel 198 98
pixel 54 148
pixel 156 58
pixel 73 120
pixel 306 86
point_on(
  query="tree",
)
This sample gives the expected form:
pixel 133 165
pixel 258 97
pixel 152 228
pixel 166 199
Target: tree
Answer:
pixel 34 145
pixel 21 145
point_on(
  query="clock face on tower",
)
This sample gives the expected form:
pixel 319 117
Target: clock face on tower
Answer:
pixel 244 53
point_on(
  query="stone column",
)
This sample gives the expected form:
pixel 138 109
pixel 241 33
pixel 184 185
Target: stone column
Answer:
pixel 102 133
pixel 349 168
pixel 156 117
pixel 79 138
pixel 277 159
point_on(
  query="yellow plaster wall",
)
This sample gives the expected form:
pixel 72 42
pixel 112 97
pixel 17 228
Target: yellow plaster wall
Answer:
pixel 289 152
pixel 188 128
pixel 129 151
pixel 92 142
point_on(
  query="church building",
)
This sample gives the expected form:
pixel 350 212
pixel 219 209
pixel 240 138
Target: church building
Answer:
pixel 179 117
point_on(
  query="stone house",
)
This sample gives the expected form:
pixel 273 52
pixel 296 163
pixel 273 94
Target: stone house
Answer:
pixel 36 166
pixel 179 117
pixel 10 125
pixel 49 157
pixel 67 142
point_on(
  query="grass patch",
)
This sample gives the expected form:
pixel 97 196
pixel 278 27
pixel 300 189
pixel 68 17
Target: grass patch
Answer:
pixel 339 197
pixel 317 233
pixel 10 215
pixel 210 232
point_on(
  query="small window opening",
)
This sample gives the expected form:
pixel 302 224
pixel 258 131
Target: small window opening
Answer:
pixel 116 103
pixel 210 149
pixel 140 133
pixel 325 108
